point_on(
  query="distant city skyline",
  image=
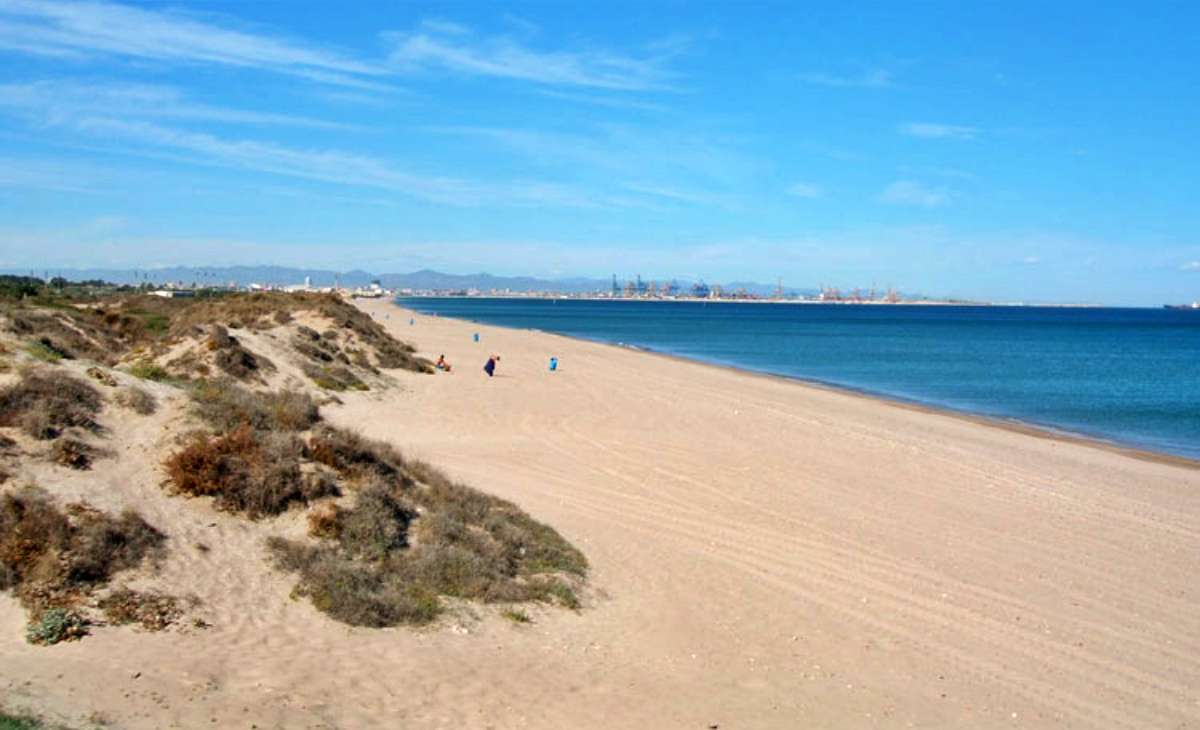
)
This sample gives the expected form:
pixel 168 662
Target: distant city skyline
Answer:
pixel 1005 152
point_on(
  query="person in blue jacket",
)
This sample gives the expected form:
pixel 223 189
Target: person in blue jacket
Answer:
pixel 490 366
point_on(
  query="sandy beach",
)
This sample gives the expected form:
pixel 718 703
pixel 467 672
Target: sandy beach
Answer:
pixel 765 554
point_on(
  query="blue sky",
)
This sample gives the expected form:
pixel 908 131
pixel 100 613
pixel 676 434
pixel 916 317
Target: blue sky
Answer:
pixel 1012 151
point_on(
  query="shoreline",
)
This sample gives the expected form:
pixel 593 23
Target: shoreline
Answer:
pixel 769 300
pixel 1014 425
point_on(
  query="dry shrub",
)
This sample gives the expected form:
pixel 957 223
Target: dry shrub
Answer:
pixel 390 352
pixel 102 332
pixel 258 310
pixel 101 377
pixel 219 338
pixel 353 456
pixel 354 592
pixel 334 377
pixel 61 332
pixel 44 402
pixel 240 363
pixel 377 525
pixel 73 453
pixel 360 359
pixel 34 535
pixel 233 359
pixel 137 400
pixel 253 472
pixel 102 545
pixel 414 535
pixel 226 405
pixel 323 348
pixel 50 561
pixel 315 347
pixel 325 521
pixel 152 611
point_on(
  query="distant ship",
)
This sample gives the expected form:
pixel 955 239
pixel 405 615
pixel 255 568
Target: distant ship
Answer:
pixel 1193 305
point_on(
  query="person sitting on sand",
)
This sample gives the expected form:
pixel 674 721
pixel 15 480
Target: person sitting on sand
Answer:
pixel 441 364
pixel 490 366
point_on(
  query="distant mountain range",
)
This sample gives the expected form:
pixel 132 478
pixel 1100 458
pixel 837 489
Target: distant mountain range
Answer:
pixel 424 279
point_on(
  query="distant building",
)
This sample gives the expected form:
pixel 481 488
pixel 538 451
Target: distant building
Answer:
pixel 173 293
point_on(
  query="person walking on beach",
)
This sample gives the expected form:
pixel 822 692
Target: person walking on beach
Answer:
pixel 490 366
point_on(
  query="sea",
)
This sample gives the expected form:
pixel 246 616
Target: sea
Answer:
pixel 1128 376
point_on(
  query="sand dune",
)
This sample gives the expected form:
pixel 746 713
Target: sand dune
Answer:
pixel 765 555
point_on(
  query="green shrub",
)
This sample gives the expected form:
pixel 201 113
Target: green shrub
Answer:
pixel 150 370
pixel 517 616
pixel 55 625
pixel 19 722
pixel 43 351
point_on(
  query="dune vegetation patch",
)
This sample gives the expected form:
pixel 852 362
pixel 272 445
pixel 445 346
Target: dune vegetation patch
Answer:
pixel 252 460
pixel 251 471
pixel 137 400
pixel 53 559
pixel 413 536
pixel 73 453
pixel 44 402
pixel 225 405
pixel 176 340
pixel 234 360
pixel 150 610
pixel 406 538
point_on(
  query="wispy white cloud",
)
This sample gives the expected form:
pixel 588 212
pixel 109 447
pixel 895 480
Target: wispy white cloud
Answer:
pixel 929 130
pixel 908 192
pixel 936 171
pixel 876 79
pixel 154 141
pixel 444 27
pixel 679 195
pixel 87 29
pixel 611 102
pixel 1031 260
pixel 1190 266
pixel 503 57
pixel 55 101
pixel 41 174
pixel 636 151
pixel 805 190
pixel 322 165
pixel 523 26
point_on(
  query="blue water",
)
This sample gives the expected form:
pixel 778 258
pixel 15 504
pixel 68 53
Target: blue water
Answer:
pixel 1127 375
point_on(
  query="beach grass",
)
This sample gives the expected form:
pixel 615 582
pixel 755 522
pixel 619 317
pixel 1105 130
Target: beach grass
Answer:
pixel 20 722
